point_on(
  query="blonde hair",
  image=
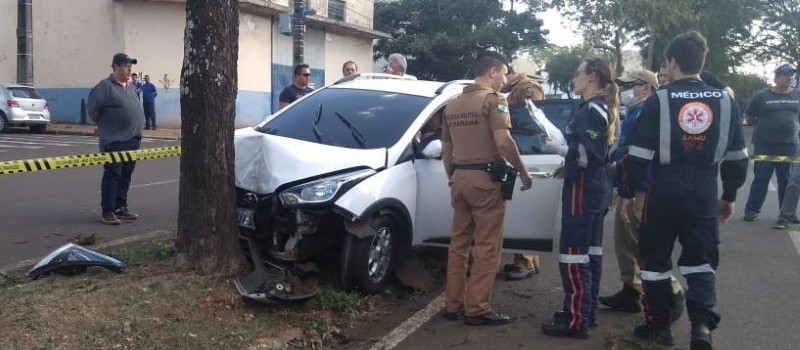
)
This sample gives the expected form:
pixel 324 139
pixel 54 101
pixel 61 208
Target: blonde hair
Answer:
pixel 605 75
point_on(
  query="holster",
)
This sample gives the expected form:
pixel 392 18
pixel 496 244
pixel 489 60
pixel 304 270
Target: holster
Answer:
pixel 500 172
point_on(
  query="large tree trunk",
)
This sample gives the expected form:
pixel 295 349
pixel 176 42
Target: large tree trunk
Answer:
pixel 207 237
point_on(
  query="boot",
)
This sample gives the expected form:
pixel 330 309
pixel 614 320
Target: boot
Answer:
pixel 559 327
pixel 626 300
pixel 661 336
pixel 701 337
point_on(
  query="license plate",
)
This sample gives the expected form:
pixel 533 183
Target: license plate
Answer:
pixel 247 218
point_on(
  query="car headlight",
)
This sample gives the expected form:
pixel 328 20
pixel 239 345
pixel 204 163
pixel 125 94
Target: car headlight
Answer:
pixel 323 190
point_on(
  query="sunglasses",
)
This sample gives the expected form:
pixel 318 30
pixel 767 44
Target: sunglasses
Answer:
pixel 306 74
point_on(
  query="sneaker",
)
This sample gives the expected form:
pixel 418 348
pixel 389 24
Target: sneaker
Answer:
pixel 794 220
pixel 780 225
pixel 110 219
pixel 451 316
pixel 661 336
pixel 124 214
pixel 701 337
pixel 559 327
pixel 626 300
pixel 492 318
pixel 750 215
pixel 513 272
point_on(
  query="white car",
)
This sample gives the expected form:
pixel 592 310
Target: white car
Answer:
pixel 342 169
pixel 22 105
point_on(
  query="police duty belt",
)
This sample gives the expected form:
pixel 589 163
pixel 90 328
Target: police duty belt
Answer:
pixel 777 159
pixel 81 160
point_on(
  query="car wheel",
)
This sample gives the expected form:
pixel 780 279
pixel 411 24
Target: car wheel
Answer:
pixel 3 123
pixel 39 129
pixel 366 263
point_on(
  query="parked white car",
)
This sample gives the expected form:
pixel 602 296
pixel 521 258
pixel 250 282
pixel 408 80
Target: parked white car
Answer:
pixel 342 169
pixel 22 105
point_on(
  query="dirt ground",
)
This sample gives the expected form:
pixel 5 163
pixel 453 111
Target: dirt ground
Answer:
pixel 151 305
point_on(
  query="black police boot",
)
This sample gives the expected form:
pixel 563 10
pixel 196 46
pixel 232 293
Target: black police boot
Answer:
pixel 701 337
pixel 661 336
pixel 626 300
pixel 559 327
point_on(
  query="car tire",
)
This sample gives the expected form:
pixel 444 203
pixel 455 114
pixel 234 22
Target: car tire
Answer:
pixel 366 263
pixel 38 129
pixel 3 123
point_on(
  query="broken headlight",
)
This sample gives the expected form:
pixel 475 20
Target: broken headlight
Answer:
pixel 323 190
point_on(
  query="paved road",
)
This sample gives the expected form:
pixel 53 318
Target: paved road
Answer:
pixel 758 281
pixel 43 210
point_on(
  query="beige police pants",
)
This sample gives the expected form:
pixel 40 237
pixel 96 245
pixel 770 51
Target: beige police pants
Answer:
pixel 478 216
pixel 626 242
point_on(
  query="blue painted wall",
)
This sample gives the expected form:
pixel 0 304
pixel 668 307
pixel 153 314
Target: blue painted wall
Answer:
pixel 65 106
pixel 282 76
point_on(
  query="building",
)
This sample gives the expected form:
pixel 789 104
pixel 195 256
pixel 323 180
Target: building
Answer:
pixel 73 41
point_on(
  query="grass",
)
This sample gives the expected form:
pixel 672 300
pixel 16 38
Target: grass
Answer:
pixel 152 305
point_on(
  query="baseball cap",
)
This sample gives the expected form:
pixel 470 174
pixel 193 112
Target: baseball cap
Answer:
pixel 786 68
pixel 641 75
pixel 121 58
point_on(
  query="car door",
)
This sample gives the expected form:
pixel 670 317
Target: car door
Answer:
pixel 530 215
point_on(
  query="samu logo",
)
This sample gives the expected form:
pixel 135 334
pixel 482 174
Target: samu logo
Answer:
pixel 695 118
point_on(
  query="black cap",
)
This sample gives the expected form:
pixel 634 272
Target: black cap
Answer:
pixel 121 58
pixel 786 69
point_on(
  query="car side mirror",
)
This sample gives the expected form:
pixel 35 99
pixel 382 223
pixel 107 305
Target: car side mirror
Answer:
pixel 433 149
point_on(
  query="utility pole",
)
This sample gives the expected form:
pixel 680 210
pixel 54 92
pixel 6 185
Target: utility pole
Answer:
pixel 25 42
pixel 301 10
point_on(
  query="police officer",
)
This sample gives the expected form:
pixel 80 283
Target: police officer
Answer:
pixel 521 89
pixel 585 198
pixel 476 137
pixel 690 131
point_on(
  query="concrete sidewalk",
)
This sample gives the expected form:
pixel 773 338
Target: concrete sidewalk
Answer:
pixel 90 129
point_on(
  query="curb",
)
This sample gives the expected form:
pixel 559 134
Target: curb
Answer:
pixel 21 267
pixel 86 133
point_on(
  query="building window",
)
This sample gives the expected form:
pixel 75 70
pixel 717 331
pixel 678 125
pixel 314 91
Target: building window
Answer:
pixel 336 10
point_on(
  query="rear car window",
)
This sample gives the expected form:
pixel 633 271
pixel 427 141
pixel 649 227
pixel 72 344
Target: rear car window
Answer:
pixel 349 118
pixel 23 92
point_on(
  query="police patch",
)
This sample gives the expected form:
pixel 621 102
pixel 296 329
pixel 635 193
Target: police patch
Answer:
pixel 593 134
pixel 695 117
pixel 502 108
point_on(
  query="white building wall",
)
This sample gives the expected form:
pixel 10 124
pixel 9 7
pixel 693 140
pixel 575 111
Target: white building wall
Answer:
pixel 8 41
pixel 255 37
pixel 340 49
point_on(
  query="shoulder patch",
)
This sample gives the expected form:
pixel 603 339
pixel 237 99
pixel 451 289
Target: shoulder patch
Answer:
pixel 502 108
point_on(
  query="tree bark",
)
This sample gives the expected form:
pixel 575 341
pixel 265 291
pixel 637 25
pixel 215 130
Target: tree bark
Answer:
pixel 207 234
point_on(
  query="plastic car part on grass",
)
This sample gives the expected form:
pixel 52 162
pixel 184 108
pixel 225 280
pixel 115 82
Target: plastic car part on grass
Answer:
pixel 72 259
pixel 276 286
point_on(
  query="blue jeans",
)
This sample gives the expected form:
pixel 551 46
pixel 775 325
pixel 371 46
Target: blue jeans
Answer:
pixel 117 177
pixel 762 172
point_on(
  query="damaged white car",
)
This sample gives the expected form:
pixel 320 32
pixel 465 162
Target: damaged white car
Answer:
pixel 345 168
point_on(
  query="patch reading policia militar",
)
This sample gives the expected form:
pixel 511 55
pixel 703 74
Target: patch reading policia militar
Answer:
pixel 80 160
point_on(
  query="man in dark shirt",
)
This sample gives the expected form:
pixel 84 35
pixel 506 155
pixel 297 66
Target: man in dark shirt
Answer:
pixel 149 93
pixel 774 112
pixel 302 76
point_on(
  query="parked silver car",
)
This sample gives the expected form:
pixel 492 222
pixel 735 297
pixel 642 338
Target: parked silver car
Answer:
pixel 22 105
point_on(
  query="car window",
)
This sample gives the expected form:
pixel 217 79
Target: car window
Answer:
pixel 23 92
pixel 349 118
pixel 558 111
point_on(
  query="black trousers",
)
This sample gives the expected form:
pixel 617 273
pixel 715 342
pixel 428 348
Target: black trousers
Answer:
pixel 149 114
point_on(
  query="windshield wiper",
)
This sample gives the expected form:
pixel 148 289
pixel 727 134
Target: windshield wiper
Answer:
pixel 317 132
pixel 353 130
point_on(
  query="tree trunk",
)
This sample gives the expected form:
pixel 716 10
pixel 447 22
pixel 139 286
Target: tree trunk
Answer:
pixel 207 236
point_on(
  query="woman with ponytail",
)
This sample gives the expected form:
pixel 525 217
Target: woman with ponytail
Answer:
pixel 585 198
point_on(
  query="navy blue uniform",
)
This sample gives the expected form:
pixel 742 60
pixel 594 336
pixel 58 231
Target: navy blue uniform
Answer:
pixel 585 198
pixel 691 132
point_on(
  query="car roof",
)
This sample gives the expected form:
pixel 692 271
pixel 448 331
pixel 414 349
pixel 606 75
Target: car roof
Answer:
pixel 423 88
pixel 7 85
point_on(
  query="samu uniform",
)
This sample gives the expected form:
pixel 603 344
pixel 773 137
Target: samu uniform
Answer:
pixel 478 204
pixel 585 199
pixel 691 132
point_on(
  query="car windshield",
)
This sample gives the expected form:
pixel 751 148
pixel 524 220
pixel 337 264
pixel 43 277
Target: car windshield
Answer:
pixel 23 92
pixel 349 118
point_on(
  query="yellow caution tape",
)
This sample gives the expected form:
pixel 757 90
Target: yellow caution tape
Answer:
pixel 79 160
pixel 778 159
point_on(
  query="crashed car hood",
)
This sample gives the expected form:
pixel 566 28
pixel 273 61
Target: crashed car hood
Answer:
pixel 264 162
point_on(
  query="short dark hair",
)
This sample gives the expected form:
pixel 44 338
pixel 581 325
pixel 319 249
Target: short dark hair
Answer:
pixel 486 61
pixel 689 51
pixel 300 67
pixel 344 65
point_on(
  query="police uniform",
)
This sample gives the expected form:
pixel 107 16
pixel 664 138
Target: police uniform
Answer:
pixel 585 199
pixel 519 90
pixel 477 201
pixel 690 131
